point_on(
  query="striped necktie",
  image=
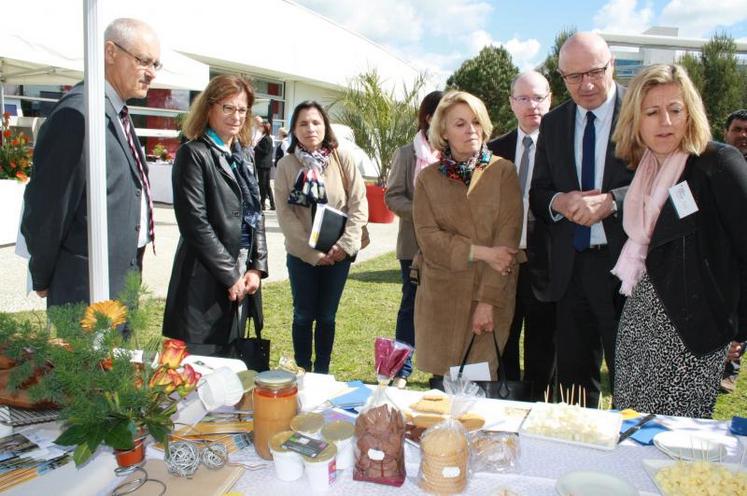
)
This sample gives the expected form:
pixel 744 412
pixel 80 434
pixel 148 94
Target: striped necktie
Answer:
pixel 124 116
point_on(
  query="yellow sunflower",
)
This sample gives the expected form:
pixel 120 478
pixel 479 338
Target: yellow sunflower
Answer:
pixel 114 311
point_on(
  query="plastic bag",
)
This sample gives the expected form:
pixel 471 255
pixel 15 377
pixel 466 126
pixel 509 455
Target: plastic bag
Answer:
pixel 444 460
pixel 494 452
pixel 390 355
pixel 380 442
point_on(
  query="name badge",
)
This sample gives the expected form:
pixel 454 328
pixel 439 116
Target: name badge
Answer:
pixel 683 200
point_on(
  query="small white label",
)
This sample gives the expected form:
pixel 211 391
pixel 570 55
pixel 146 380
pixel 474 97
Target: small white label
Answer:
pixel 683 200
pixel 375 454
pixel 450 472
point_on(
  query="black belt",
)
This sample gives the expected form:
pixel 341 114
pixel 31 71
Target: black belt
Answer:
pixel 594 248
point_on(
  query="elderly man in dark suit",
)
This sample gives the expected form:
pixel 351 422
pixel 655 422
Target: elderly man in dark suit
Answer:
pixel 577 190
pixel 530 100
pixel 55 219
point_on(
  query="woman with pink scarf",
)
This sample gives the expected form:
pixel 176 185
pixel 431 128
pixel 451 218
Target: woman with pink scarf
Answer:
pixel 407 162
pixel 684 266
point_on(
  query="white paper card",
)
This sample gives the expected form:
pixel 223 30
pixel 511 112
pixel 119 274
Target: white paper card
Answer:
pixel 472 371
pixel 683 200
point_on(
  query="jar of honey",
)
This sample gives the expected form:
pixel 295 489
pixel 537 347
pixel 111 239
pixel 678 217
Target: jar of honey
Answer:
pixel 275 404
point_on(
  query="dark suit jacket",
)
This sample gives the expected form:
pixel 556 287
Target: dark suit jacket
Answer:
pixel 554 172
pixel 263 153
pixel 207 204
pixel 55 217
pixel 505 145
pixel 698 264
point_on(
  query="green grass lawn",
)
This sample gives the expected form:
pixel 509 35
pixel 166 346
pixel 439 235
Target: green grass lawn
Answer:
pixel 368 309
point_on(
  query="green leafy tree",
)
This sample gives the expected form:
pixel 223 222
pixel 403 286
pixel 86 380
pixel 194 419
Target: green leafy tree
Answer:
pixel 721 93
pixel 488 76
pixel 382 120
pixel 693 66
pixel 550 68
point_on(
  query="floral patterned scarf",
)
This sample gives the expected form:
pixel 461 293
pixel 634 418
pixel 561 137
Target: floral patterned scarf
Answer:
pixel 462 171
pixel 309 186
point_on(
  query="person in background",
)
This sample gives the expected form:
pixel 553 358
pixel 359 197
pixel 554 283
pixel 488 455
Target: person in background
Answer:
pixel 258 132
pixel 467 212
pixel 281 148
pixel 407 163
pixel 577 189
pixel 315 172
pixel 55 214
pixel 735 134
pixel 530 101
pixel 263 162
pixel 222 252
pixel 682 264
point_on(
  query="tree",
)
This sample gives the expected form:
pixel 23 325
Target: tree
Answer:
pixel 550 68
pixel 381 120
pixel 721 93
pixel 694 68
pixel 488 76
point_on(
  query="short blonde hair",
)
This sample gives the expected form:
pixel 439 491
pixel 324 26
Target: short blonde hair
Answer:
pixel 629 145
pixel 438 122
pixel 218 89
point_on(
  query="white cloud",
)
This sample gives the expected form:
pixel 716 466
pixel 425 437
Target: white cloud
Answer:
pixel 622 16
pixel 523 52
pixel 699 18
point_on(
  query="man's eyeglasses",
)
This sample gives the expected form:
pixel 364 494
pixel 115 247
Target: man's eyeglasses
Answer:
pixel 156 65
pixel 525 100
pixel 577 77
pixel 230 110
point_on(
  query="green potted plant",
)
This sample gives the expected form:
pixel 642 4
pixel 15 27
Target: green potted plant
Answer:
pixel 80 363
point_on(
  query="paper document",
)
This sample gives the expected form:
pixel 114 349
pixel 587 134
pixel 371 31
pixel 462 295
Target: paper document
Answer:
pixel 472 371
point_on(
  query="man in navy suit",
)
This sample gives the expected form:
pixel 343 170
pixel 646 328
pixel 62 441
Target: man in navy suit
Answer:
pixel 577 192
pixel 55 218
pixel 530 100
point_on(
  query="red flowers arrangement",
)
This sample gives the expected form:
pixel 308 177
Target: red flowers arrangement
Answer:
pixel 15 152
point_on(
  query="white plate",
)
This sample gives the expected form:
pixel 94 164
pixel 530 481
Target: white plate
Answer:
pixel 682 445
pixel 583 483
pixel 653 466
pixel 544 418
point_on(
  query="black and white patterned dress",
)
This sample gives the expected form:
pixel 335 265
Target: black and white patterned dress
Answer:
pixel 654 371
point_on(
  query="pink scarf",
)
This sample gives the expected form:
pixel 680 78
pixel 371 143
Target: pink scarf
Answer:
pixel 643 202
pixel 424 154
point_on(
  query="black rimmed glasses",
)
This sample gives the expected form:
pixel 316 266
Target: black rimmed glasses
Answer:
pixel 156 65
pixel 230 110
pixel 577 77
pixel 525 100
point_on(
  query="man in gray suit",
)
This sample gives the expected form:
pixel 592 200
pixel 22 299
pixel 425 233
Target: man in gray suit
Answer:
pixel 55 219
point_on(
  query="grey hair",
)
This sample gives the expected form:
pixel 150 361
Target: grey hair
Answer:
pixel 124 30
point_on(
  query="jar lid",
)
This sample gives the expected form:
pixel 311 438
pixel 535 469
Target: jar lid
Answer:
pixel 276 442
pixel 307 422
pixel 337 430
pixel 275 379
pixel 326 455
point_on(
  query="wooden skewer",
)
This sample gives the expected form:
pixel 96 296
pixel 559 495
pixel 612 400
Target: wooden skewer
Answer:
pixel 573 391
pixel 562 399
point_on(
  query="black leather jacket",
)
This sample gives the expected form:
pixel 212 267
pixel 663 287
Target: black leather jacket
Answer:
pixel 207 204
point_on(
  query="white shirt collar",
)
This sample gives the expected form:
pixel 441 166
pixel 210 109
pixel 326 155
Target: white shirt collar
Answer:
pixel 602 112
pixel 520 136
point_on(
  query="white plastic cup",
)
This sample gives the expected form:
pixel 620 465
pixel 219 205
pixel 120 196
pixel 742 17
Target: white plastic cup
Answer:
pixel 322 470
pixel 341 434
pixel 288 464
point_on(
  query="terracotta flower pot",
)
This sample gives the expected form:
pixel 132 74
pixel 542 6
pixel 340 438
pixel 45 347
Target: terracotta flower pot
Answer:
pixel 377 209
pixel 128 458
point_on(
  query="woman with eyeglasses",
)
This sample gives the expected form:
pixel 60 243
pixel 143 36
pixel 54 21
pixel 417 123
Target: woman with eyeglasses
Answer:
pixel 316 172
pixel 468 216
pixel 222 251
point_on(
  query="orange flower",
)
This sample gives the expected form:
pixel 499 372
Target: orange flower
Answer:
pixel 190 378
pixel 21 176
pixel 6 133
pixel 106 364
pixel 168 379
pixel 173 352
pixel 114 311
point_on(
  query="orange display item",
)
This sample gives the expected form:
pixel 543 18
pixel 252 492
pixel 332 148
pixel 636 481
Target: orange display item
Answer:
pixel 275 404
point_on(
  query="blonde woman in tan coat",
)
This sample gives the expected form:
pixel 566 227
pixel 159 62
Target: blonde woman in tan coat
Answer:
pixel 468 216
pixel 315 172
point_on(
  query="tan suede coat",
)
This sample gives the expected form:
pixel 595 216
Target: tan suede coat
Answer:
pixel 448 219
pixel 295 221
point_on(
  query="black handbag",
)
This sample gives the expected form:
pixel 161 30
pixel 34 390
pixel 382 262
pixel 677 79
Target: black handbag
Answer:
pixel 500 389
pixel 254 352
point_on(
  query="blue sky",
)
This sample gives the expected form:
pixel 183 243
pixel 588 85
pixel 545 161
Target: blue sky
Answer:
pixel 438 35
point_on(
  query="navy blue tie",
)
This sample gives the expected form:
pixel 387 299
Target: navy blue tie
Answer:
pixel 582 235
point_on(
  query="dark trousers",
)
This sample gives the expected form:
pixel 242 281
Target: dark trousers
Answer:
pixel 538 321
pixel 587 318
pixel 316 294
pixel 405 330
pixel 265 190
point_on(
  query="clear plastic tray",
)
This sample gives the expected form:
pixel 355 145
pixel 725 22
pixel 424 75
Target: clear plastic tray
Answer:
pixel 599 429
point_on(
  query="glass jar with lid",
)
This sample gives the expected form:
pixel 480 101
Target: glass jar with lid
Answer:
pixel 275 404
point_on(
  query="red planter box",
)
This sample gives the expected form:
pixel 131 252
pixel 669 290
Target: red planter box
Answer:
pixel 377 210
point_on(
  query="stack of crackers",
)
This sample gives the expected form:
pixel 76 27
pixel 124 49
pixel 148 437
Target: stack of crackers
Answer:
pixel 434 407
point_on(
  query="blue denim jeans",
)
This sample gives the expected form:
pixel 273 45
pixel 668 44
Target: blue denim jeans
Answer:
pixel 316 295
pixel 405 330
